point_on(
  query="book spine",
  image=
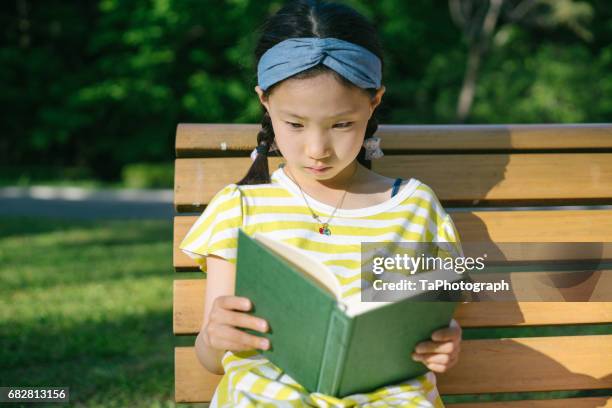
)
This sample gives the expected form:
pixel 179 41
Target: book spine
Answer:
pixel 334 354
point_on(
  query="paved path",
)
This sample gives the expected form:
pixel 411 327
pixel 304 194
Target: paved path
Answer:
pixel 76 202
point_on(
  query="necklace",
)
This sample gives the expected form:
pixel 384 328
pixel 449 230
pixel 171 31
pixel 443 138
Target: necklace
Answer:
pixel 324 228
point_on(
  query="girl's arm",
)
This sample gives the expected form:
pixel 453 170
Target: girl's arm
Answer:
pixel 220 277
pixel 224 313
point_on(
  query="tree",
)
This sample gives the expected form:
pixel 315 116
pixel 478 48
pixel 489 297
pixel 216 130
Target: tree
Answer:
pixel 479 20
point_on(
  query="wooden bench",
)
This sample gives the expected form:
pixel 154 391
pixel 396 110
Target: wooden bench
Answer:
pixel 468 167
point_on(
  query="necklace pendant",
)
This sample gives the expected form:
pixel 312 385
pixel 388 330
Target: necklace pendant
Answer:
pixel 324 230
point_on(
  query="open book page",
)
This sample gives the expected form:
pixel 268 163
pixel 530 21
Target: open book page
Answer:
pixel 321 275
pixel 353 305
pixel 309 266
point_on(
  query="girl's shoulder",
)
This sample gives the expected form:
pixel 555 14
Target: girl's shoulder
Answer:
pixel 384 186
pixel 236 190
pixel 273 189
pixel 424 195
pixel 230 191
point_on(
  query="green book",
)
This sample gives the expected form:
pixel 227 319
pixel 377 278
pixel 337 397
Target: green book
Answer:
pixel 327 344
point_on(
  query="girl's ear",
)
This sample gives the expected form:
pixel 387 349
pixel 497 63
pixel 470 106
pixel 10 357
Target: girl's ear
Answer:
pixel 262 99
pixel 375 101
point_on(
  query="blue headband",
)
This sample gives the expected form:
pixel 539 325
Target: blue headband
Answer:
pixel 294 55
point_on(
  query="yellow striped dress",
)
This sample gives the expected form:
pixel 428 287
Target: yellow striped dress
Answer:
pixel 278 210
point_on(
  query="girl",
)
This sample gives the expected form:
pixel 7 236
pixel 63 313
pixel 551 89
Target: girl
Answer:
pixel 319 82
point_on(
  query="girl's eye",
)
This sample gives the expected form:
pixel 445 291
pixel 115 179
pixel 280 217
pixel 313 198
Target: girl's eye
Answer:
pixel 339 125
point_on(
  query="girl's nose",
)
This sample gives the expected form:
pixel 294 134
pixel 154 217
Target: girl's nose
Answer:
pixel 318 146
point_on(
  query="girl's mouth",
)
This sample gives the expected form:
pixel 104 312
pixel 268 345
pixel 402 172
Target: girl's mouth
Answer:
pixel 319 170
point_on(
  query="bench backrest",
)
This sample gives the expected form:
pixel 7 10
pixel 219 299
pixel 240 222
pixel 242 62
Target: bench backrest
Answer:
pixel 501 166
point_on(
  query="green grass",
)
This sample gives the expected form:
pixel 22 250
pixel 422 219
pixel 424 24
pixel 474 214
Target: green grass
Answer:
pixel 88 305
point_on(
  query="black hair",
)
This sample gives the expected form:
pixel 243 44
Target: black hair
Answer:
pixel 311 18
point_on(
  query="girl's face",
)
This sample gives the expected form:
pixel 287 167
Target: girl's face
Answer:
pixel 319 122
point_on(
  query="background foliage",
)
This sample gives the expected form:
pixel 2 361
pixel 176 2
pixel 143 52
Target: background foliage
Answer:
pixel 99 84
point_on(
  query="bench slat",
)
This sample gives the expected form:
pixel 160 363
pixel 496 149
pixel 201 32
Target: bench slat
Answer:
pixel 193 140
pixel 528 363
pixel 534 226
pixel 496 226
pixel 189 308
pixel 467 179
pixel 192 382
pixel 590 402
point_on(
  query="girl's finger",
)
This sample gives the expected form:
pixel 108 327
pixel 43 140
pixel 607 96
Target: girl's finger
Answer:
pixel 235 303
pixel 244 320
pixel 449 333
pixel 434 358
pixel 229 345
pixel 245 341
pixel 438 368
pixel 435 347
pixel 446 366
pixel 249 340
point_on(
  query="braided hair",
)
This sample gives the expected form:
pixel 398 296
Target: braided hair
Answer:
pixel 311 18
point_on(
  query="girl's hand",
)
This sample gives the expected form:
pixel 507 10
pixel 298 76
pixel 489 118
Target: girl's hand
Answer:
pixel 442 353
pixel 228 313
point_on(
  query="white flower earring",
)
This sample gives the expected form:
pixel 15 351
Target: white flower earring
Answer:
pixel 372 148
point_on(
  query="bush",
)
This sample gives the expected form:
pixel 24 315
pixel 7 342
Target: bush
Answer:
pixel 148 175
